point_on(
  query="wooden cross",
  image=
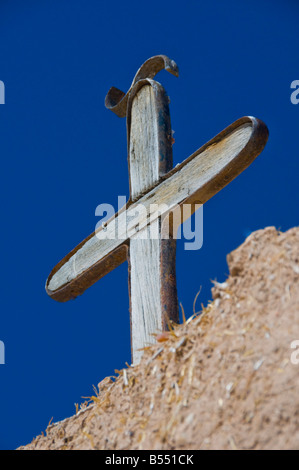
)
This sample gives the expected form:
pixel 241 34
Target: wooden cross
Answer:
pixel 152 278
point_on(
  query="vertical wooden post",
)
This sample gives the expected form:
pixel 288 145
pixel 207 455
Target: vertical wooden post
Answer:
pixel 152 284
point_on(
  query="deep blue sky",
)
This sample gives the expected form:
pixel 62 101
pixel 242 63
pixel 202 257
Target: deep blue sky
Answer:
pixel 63 153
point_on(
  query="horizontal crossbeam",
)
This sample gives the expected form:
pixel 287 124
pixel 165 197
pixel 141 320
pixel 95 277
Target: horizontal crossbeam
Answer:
pixel 193 182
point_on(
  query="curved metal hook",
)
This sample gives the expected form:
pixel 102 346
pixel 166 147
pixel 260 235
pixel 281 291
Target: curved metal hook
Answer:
pixel 116 100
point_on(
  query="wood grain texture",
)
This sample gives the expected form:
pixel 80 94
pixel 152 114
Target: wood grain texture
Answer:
pixel 145 290
pixel 143 142
pixel 149 156
pixel 145 308
pixel 195 180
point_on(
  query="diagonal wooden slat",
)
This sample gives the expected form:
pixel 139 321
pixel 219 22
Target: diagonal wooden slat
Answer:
pixel 195 180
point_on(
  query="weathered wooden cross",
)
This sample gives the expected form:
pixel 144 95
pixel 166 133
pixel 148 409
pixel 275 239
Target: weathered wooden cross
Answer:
pixel 153 181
